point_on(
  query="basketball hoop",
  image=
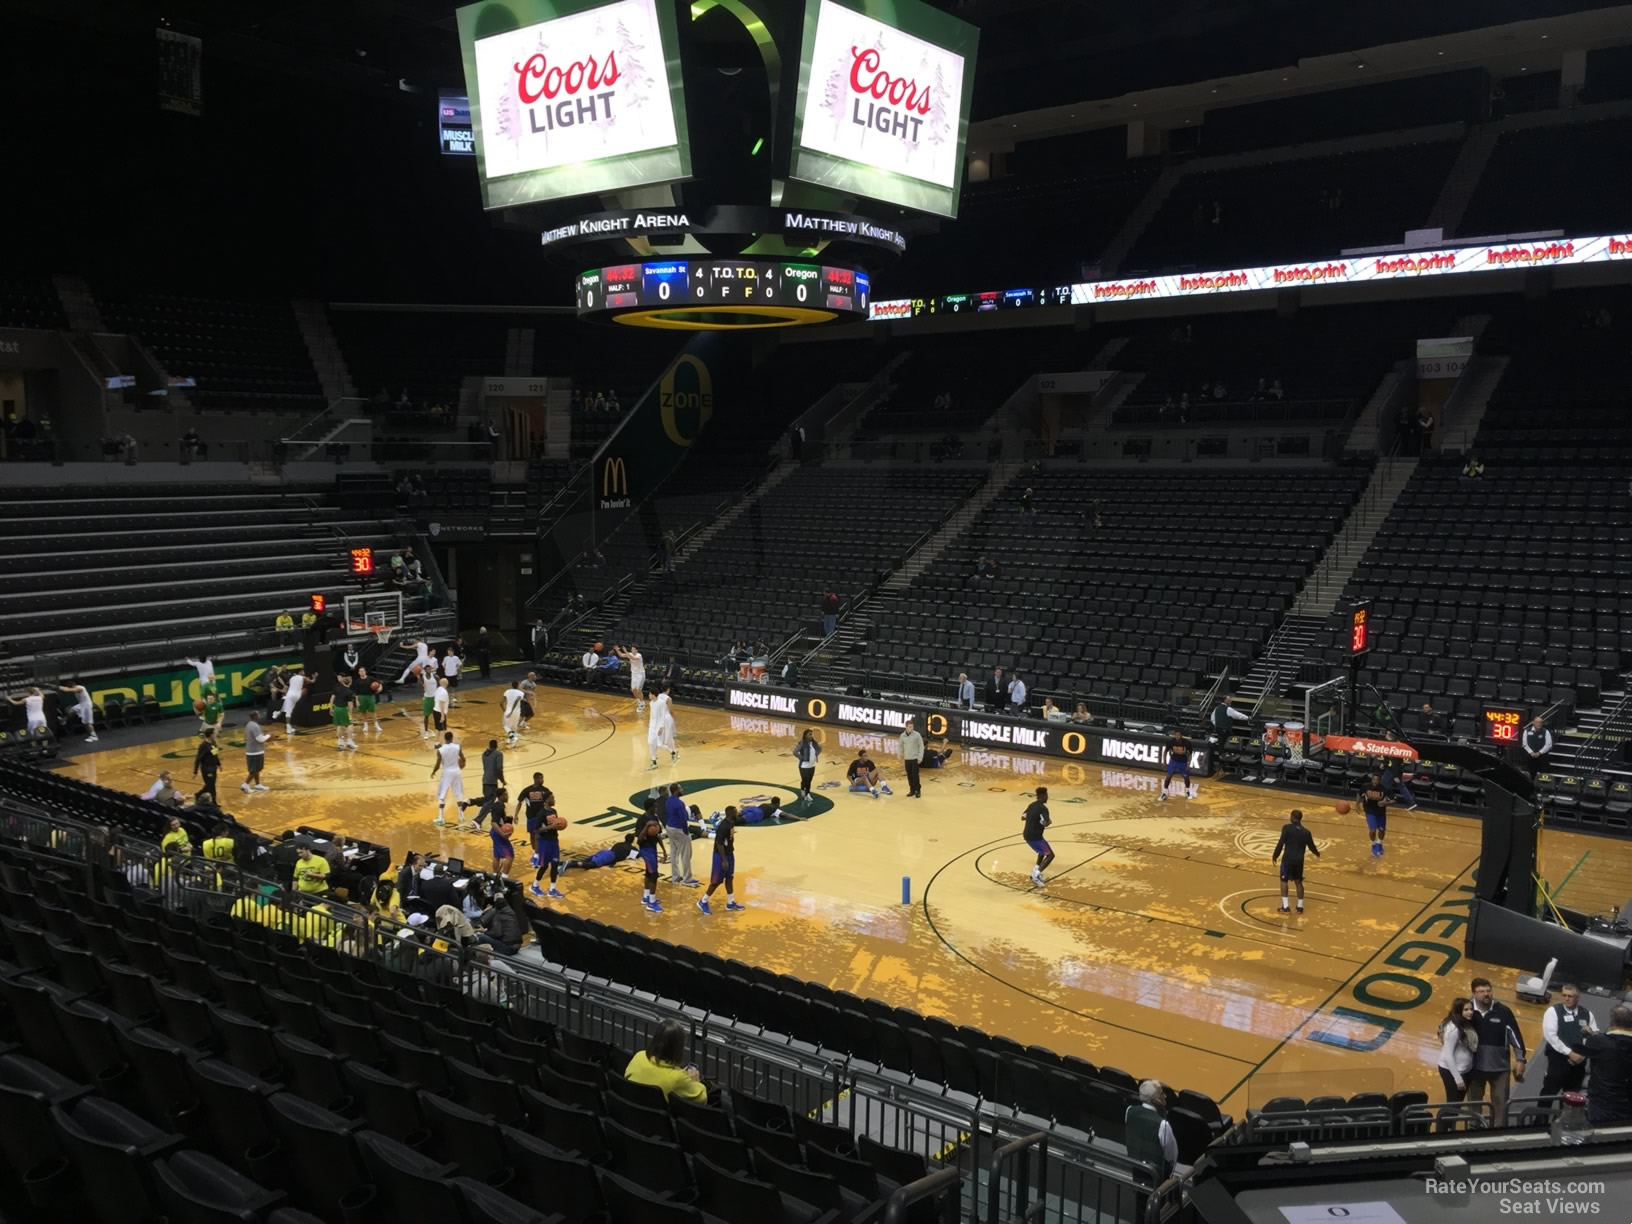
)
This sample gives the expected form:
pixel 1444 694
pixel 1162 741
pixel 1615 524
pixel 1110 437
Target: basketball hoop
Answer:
pixel 382 634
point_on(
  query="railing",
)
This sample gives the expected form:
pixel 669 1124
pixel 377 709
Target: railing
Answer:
pixel 1083 1180
pixel 1020 1208
pixel 1234 412
pixel 1615 729
pixel 915 1192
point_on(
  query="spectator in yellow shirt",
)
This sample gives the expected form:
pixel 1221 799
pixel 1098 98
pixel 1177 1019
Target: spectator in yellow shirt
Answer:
pixel 285 625
pixel 663 1064
pixel 311 871
pixel 308 619
pixel 175 835
pixel 219 845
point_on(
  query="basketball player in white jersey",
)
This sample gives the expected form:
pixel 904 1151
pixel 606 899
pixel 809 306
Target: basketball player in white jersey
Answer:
pixel 84 708
pixel 206 671
pixel 513 698
pixel 450 763
pixel 637 675
pixel 33 703
pixel 291 699
pixel 660 728
pixel 422 656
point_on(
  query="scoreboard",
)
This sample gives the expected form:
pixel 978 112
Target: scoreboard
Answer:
pixel 673 283
pixel 974 303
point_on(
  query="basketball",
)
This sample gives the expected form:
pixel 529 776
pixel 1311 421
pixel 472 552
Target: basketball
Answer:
pixel 598 647
pixel 652 829
pixel 555 822
pixel 376 687
pixel 198 705
pixel 1342 806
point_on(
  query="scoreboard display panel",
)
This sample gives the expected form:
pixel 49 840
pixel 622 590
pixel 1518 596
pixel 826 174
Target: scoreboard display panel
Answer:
pixel 841 289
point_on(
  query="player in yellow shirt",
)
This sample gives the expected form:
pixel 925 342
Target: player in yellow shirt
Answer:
pixel 311 872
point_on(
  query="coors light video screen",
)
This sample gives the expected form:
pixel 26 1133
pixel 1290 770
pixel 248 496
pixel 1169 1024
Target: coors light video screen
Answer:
pixel 573 97
pixel 883 108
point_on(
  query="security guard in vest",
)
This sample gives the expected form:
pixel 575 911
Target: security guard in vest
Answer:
pixel 1564 1027
pixel 1149 1136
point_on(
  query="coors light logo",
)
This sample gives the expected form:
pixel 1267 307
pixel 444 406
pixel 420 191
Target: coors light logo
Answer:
pixel 578 88
pixel 882 97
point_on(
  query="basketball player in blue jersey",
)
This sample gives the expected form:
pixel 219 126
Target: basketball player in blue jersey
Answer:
pixel 1037 821
pixel 725 862
pixel 1178 762
pixel 1374 802
pixel 651 833
pixel 610 857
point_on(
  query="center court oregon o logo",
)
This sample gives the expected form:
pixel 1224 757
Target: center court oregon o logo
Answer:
pixel 712 795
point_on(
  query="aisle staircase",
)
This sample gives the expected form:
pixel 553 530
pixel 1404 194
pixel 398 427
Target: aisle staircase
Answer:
pixel 1594 745
pixel 823 662
pixel 1322 589
pixel 1275 669
pixel 328 362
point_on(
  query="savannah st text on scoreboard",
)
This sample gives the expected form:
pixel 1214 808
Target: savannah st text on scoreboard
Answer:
pixel 724 282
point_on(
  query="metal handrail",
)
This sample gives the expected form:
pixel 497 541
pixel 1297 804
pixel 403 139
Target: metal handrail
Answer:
pixel 1020 1149
pixel 1592 755
pixel 915 1192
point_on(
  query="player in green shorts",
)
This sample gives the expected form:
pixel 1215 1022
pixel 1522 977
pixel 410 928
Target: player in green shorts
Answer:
pixel 367 702
pixel 214 712
pixel 340 713
pixel 426 674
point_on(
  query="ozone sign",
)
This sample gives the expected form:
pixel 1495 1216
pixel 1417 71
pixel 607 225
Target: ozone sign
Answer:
pixel 883 103
pixel 568 98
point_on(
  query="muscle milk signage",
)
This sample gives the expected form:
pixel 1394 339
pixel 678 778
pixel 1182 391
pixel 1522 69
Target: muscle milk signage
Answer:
pixel 882 97
pixel 976 732
pixel 579 88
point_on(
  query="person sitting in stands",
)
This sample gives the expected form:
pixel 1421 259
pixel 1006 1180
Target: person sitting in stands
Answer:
pixel 1473 468
pixel 662 1064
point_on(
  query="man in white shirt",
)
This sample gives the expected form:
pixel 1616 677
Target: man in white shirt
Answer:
pixel 513 697
pixel 450 763
pixel 84 708
pixel 591 664
pixel 660 728
pixel 206 671
pixel 33 703
pixel 1537 743
pixel 440 703
pixel 291 699
pixel 1564 1026
pixel 966 692
pixel 451 663
pixel 1017 696
pixel 1149 1135
pixel 163 790
pixel 422 656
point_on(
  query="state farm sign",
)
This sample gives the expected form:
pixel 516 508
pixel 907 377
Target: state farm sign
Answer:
pixel 580 88
pixel 882 97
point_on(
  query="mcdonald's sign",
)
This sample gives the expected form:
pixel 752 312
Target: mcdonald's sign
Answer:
pixel 615 483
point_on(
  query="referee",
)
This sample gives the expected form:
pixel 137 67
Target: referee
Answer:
pixel 912 756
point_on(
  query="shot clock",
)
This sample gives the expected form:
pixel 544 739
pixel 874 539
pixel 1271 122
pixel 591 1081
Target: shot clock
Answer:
pixel 1359 629
pixel 1502 724
pixel 362 561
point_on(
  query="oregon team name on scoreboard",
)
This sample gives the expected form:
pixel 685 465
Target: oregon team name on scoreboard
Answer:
pixel 724 282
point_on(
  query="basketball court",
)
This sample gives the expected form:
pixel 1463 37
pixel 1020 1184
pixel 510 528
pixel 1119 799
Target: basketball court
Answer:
pixel 1156 946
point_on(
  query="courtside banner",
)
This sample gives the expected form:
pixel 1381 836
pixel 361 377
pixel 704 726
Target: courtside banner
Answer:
pixel 1358 270
pixel 1394 750
pixel 1082 743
